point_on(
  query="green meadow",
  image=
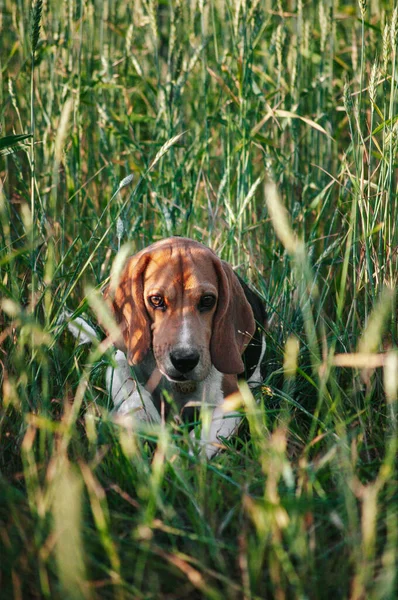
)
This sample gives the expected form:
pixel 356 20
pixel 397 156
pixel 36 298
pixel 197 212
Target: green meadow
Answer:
pixel 267 130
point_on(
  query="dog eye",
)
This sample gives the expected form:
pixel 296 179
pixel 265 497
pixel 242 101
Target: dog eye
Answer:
pixel 206 302
pixel 157 302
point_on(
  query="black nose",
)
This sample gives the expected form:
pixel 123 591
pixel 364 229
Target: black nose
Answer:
pixel 184 359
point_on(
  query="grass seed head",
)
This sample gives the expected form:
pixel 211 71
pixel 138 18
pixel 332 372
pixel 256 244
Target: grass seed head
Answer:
pixel 386 47
pixel 324 25
pixel 35 23
pixel 126 181
pixel 280 218
pixel 347 99
pixel 119 228
pixel 151 7
pixel 362 8
pixel 279 47
pixel 394 29
pixel 373 82
pixel 129 38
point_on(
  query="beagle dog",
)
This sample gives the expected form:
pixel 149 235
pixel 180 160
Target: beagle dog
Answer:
pixel 189 327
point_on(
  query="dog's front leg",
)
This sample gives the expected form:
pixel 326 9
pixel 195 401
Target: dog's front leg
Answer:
pixel 222 422
pixel 130 399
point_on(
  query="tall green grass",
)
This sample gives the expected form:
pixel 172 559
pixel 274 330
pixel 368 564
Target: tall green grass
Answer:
pixel 209 105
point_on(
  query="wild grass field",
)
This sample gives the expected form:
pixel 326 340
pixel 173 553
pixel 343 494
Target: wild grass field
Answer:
pixel 209 105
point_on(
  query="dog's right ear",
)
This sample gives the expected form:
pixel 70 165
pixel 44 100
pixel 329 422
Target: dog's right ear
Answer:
pixel 233 324
pixel 126 299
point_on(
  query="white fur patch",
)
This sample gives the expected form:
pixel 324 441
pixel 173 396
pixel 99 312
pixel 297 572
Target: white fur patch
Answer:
pixel 185 336
pixel 255 379
pixel 79 328
pixel 129 397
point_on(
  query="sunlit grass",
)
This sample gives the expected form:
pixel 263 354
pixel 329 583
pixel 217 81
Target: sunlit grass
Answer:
pixel 268 131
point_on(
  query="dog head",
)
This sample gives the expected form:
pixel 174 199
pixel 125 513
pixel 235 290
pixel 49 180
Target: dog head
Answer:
pixel 177 299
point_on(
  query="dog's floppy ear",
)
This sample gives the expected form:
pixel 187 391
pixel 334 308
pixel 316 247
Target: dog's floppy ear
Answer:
pixel 126 298
pixel 233 324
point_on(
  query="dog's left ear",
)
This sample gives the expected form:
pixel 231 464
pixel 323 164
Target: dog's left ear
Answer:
pixel 233 325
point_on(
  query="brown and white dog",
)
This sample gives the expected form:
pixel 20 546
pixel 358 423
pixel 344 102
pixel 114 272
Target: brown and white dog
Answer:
pixel 189 327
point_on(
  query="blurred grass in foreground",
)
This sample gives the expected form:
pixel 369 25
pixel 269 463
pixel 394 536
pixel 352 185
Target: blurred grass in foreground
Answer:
pixel 208 105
